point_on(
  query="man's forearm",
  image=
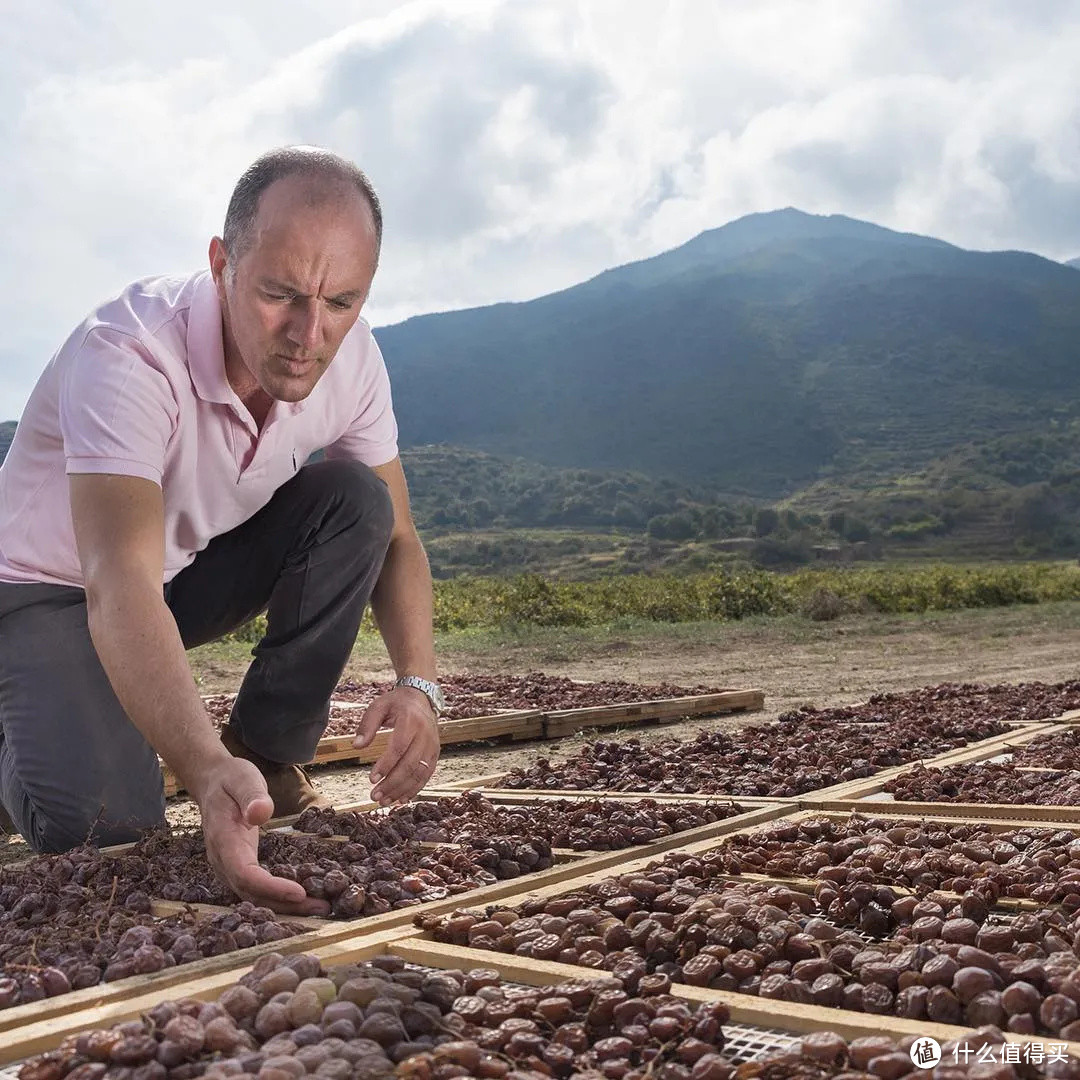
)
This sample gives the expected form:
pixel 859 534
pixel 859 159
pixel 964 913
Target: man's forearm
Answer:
pixel 140 649
pixel 403 607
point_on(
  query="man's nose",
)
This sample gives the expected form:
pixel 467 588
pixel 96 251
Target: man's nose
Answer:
pixel 305 323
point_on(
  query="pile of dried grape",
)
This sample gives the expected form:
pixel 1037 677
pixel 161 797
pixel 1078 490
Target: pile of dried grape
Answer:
pixel 987 783
pixel 1030 863
pixel 855 945
pixel 1058 751
pixel 57 936
pixel 583 825
pixel 355 878
pixel 777 759
pixel 1004 702
pixel 382 1020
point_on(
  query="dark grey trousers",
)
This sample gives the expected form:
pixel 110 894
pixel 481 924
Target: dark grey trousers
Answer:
pixel 72 765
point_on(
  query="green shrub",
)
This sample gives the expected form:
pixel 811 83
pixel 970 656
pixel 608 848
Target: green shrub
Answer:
pixel 251 632
pixel 722 595
pixel 823 605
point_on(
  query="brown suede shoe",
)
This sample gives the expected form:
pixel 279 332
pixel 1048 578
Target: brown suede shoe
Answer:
pixel 7 826
pixel 288 785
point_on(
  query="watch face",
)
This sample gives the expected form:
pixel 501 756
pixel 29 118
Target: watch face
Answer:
pixel 438 699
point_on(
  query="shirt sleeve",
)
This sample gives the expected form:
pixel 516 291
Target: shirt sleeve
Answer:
pixel 372 436
pixel 117 409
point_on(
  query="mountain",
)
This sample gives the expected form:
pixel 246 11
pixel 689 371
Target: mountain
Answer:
pixel 779 350
pixel 1073 262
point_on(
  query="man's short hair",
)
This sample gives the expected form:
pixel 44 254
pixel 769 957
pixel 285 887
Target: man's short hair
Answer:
pixel 275 165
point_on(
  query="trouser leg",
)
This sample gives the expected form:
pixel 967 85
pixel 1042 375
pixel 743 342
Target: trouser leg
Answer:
pixel 310 558
pixel 72 765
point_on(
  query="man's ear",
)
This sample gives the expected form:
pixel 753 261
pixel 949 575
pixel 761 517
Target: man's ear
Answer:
pixel 219 260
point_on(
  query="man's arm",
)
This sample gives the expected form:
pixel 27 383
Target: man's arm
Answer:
pixel 402 606
pixel 120 535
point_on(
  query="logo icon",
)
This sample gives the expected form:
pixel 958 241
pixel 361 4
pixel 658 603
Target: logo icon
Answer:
pixel 925 1053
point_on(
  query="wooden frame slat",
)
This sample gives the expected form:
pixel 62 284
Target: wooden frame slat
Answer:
pixel 975 751
pixel 1030 814
pixel 560 723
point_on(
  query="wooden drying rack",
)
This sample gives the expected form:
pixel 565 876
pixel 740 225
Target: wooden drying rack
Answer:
pixel 38 1026
pixel 533 724
pixel 34 1028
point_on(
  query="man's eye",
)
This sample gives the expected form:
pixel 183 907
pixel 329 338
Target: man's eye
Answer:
pixel 341 305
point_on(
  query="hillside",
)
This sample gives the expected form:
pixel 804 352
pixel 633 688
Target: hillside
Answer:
pixel 7 433
pixel 455 488
pixel 758 358
pixel 1073 262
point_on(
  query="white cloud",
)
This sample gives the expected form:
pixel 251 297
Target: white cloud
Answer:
pixel 522 145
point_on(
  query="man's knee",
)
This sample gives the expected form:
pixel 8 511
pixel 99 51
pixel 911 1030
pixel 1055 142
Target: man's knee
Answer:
pixel 65 821
pixel 46 831
pixel 359 494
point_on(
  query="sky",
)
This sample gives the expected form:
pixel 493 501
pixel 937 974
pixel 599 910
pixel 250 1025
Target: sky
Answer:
pixel 518 146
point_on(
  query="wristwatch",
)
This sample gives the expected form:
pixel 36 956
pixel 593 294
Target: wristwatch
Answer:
pixel 431 690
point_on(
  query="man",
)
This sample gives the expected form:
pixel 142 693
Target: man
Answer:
pixel 156 497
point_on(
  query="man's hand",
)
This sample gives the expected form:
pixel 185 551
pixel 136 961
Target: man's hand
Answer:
pixel 234 803
pixel 413 748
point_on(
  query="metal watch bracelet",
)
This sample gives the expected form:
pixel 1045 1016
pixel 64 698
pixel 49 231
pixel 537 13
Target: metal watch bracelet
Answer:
pixel 431 690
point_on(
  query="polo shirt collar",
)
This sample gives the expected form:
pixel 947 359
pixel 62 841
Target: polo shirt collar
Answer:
pixel 205 351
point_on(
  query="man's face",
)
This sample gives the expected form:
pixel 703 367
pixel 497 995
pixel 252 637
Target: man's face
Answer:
pixel 296 291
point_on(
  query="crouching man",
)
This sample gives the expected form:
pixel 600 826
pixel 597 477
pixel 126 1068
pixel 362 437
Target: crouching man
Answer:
pixel 156 497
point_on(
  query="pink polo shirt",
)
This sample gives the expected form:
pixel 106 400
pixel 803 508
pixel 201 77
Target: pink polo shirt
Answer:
pixel 139 389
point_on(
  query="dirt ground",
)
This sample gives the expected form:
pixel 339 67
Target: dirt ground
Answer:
pixel 793 661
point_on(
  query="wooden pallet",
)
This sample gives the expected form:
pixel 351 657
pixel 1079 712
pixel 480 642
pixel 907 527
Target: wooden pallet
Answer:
pixel 755 812
pixel 37 1032
pixel 1070 717
pixel 1028 813
pixel 126 998
pixel 526 796
pixel 530 724
pixel 501 794
pixel 810 885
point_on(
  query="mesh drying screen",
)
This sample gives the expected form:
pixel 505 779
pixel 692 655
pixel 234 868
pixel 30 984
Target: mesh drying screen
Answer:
pixel 743 1043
